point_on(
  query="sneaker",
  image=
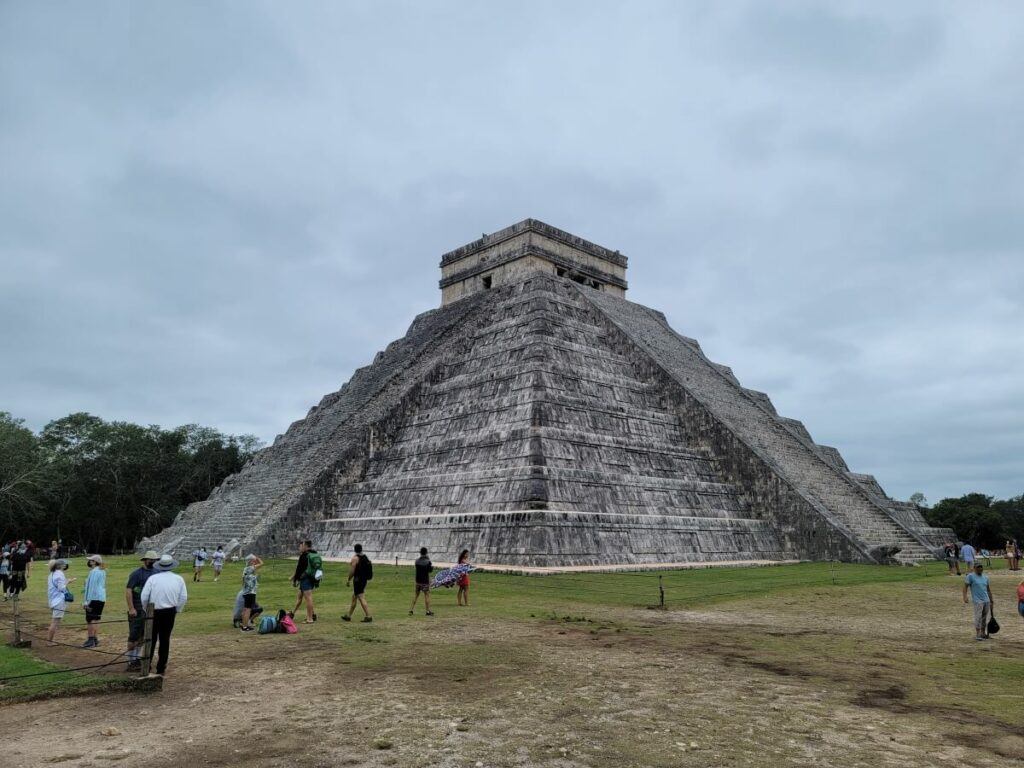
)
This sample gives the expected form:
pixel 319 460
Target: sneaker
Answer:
pixel 346 617
pixel 367 620
pixel 89 643
pixel 236 623
pixel 248 629
pixel 430 613
pixel 410 613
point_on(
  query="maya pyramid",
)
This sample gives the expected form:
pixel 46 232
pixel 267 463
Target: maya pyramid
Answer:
pixel 539 419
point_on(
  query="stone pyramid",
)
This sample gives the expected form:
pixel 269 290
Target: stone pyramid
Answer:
pixel 539 419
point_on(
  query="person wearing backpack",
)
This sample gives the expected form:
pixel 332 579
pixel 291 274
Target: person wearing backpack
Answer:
pixel 308 573
pixel 422 578
pixel 360 571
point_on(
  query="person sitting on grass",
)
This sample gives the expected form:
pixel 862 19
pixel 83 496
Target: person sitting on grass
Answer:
pixel 56 586
pixel 94 597
pixel 250 583
pixel 981 595
pixel 463 597
pixel 360 571
pixel 236 618
pixel 423 569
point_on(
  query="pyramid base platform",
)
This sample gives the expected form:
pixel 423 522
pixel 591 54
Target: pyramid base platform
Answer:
pixel 545 540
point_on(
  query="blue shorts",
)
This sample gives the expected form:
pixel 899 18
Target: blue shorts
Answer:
pixel 306 584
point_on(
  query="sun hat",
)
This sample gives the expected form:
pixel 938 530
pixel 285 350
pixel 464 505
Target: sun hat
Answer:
pixel 60 562
pixel 166 563
pixel 95 559
pixel 150 554
pixel 250 557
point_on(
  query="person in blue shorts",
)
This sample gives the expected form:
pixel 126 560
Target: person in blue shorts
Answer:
pixel 306 580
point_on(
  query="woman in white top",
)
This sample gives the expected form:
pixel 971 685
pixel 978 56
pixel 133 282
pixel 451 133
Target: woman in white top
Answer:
pixel 56 586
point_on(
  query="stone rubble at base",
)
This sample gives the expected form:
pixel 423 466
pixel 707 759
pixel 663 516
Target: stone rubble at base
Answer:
pixel 540 419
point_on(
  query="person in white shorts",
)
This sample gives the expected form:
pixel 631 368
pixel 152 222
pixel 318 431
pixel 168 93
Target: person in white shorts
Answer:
pixel 56 586
pixel 218 562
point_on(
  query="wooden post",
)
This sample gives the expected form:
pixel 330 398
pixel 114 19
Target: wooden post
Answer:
pixel 147 640
pixel 661 592
pixel 19 642
pixel 832 571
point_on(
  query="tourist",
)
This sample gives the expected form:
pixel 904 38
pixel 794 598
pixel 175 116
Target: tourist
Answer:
pixel 1020 599
pixel 968 553
pixel 236 619
pixel 985 555
pixel 981 595
pixel 306 578
pixel 422 577
pixel 136 608
pixel 360 571
pixel 94 597
pixel 463 597
pixel 200 558
pixel 56 595
pixel 1016 555
pixel 5 572
pixel 54 550
pixel 218 562
pixel 949 554
pixel 250 583
pixel 165 590
pixel 21 569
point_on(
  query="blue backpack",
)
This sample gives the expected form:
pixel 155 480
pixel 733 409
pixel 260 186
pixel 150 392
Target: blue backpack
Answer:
pixel 268 625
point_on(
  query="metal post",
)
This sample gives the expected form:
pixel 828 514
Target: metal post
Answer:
pixel 147 640
pixel 661 592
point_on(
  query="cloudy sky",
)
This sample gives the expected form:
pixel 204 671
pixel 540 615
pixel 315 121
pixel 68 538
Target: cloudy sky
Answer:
pixel 214 213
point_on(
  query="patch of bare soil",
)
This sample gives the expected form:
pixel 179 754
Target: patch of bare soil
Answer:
pixel 613 688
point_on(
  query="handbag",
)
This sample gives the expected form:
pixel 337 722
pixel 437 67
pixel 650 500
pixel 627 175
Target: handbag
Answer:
pixel 68 597
pixel 993 625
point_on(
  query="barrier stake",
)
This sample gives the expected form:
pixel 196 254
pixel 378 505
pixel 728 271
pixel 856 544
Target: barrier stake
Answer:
pixel 147 640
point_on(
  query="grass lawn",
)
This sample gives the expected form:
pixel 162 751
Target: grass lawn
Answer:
pixel 807 664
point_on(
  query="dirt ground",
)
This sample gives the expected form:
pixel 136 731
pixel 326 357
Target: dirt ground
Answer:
pixel 872 676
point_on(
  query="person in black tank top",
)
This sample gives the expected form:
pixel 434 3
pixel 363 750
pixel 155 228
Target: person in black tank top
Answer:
pixel 423 569
pixel 360 571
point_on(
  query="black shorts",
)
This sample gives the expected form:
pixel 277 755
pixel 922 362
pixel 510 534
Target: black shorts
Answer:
pixel 358 587
pixel 137 627
pixel 94 610
pixel 249 601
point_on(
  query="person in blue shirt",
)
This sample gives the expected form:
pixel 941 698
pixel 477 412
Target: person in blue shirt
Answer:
pixel 981 595
pixel 94 598
pixel 969 554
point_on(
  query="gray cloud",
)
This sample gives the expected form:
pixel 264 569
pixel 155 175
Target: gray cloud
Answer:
pixel 214 213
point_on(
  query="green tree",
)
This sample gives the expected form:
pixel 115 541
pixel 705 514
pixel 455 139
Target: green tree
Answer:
pixel 972 517
pixel 24 477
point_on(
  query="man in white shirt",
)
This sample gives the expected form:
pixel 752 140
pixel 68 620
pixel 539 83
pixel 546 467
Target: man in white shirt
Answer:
pixel 166 591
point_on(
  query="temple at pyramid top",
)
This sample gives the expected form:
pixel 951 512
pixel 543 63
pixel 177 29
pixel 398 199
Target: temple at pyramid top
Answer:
pixel 505 256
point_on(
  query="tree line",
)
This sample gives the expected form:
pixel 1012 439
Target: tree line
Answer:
pixel 103 485
pixel 982 520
